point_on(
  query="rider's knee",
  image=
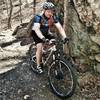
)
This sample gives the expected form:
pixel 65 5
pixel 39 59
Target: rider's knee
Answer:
pixel 39 47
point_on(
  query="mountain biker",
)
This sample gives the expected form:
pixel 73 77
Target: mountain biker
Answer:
pixel 40 28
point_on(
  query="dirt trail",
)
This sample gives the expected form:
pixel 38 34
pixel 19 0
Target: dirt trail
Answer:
pixel 22 84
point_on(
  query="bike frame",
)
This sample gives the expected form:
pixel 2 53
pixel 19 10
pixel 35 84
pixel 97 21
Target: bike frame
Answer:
pixel 52 50
pixel 55 51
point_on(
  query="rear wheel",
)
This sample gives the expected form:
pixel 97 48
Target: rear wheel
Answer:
pixel 33 64
pixel 32 51
pixel 61 78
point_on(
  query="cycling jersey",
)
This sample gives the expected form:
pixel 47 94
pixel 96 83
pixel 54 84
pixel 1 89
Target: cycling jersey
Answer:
pixel 44 26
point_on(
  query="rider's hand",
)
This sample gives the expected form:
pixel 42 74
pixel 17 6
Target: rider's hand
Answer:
pixel 44 40
pixel 66 40
pixel 52 41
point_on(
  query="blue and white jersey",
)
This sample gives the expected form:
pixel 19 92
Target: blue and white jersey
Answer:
pixel 44 27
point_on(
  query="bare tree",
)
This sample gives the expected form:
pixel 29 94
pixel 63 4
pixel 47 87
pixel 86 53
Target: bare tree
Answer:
pixel 65 25
pixel 1 8
pixel 10 14
pixel 20 10
pixel 34 6
pixel 6 2
pixel 65 14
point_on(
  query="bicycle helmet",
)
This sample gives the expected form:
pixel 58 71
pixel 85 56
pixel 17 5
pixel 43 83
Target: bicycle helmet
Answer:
pixel 48 6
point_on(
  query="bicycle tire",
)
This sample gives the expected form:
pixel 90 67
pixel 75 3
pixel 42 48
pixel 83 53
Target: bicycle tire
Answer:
pixel 32 57
pixel 56 84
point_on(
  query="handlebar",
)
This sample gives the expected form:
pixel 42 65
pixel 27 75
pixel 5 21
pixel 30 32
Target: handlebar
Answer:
pixel 54 41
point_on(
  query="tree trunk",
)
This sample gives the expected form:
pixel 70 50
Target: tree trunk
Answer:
pixel 20 10
pixel 65 15
pixel 10 14
pixel 6 1
pixel 65 25
pixel 1 10
pixel 34 7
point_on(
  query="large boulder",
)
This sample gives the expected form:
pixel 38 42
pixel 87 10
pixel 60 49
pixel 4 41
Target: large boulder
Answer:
pixel 89 13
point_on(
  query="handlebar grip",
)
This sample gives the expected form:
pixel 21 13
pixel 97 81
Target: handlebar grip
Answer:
pixel 66 40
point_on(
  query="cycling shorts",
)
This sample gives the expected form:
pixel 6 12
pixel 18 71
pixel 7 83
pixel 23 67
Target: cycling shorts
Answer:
pixel 38 40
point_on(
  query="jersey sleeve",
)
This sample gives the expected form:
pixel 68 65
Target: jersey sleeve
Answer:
pixel 37 19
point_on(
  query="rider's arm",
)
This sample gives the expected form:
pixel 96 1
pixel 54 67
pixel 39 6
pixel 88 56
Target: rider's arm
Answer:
pixel 60 29
pixel 36 28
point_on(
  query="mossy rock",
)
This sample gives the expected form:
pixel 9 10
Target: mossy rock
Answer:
pixel 97 57
pixel 96 39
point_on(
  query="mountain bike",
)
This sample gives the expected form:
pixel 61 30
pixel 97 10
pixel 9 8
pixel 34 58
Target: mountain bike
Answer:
pixel 61 75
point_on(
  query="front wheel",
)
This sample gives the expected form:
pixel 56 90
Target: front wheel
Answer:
pixel 61 78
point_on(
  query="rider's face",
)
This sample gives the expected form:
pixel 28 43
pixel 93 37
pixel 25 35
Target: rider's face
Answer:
pixel 48 13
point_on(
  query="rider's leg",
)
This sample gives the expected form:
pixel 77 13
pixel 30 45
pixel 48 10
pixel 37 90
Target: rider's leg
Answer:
pixel 39 56
pixel 39 53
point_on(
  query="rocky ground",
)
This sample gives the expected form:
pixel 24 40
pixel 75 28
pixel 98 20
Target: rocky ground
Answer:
pixel 17 80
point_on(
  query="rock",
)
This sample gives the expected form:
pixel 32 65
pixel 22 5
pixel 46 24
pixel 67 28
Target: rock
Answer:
pixel 89 13
pixel 26 97
pixel 91 57
pixel 8 65
pixel 87 82
pixel 85 78
pixel 97 57
pixel 83 68
pixel 11 52
pixel 19 91
pixel 94 48
pixel 97 68
pixel 96 39
pixel 14 50
pixel 1 50
pixel 6 38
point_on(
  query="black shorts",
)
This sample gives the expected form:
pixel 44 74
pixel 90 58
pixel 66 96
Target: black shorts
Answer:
pixel 38 40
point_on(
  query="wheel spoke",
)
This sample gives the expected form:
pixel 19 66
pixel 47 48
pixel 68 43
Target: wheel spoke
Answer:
pixel 61 78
